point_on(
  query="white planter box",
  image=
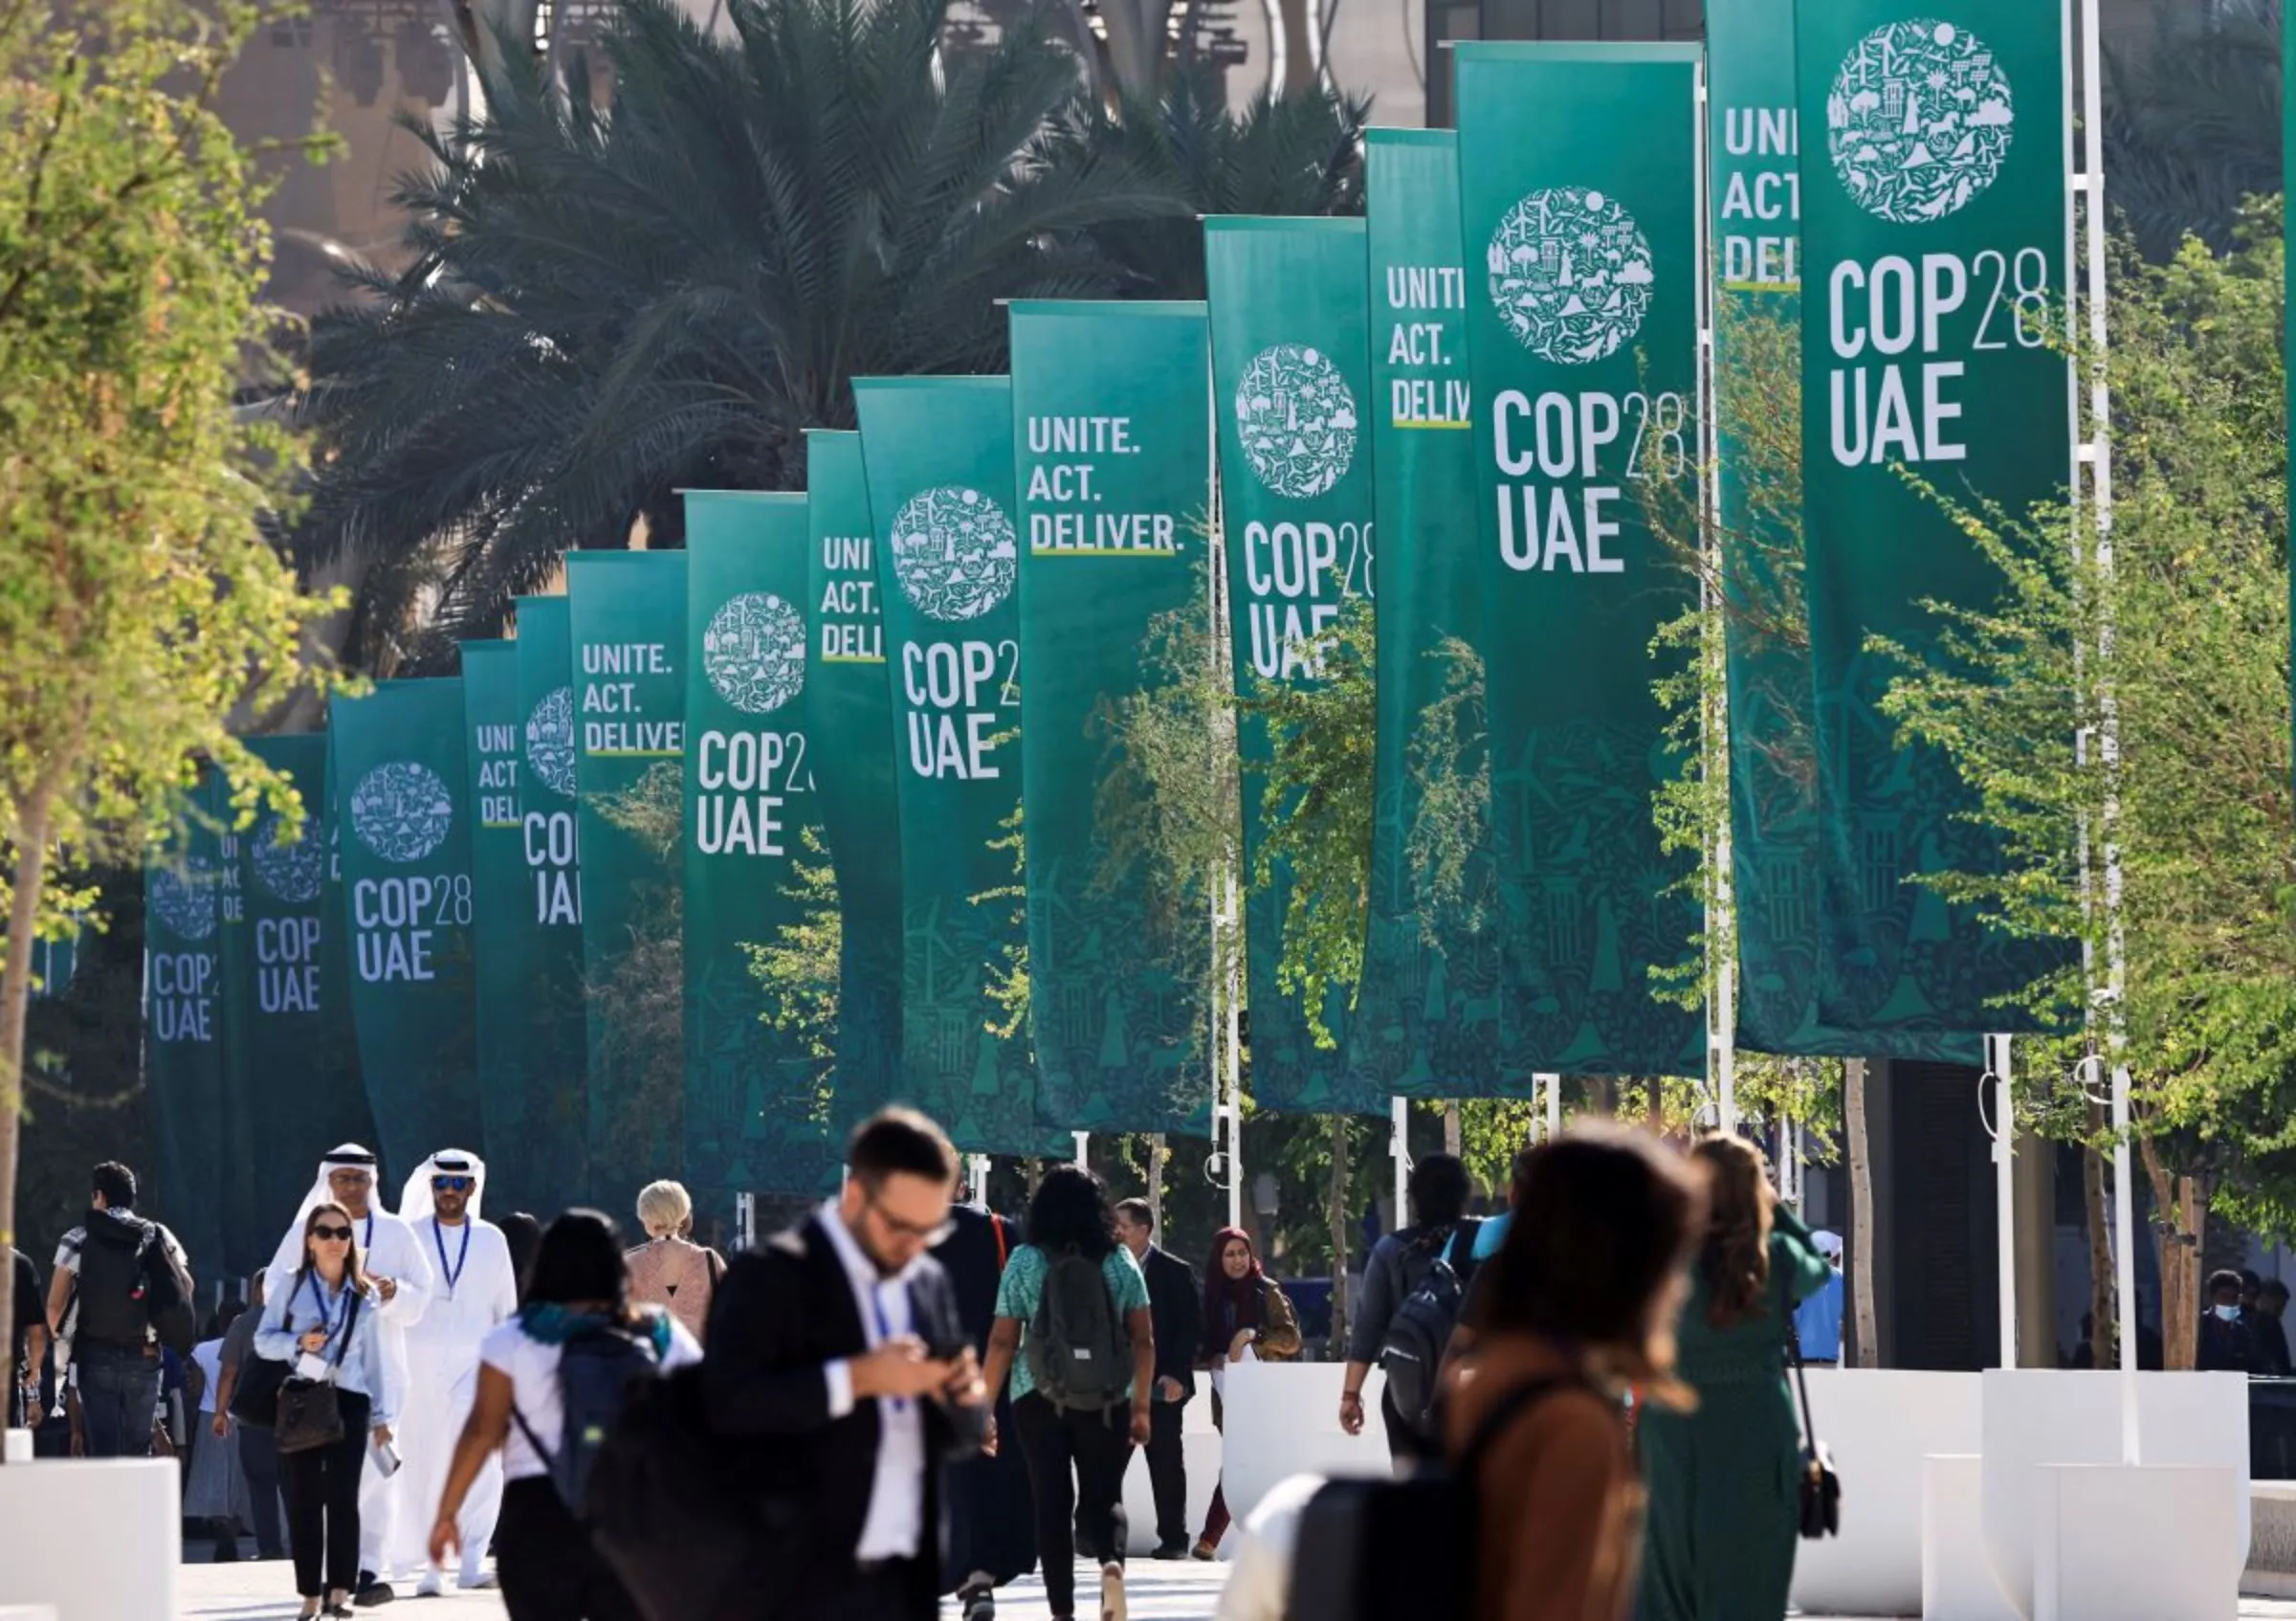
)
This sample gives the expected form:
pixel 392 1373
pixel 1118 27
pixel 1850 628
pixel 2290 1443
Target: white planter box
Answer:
pixel 1957 1579
pixel 1881 1425
pixel 2144 1544
pixel 93 1541
pixel 2034 1418
pixel 1283 1419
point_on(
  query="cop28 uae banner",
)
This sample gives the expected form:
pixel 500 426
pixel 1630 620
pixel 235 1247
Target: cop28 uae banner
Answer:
pixel 938 451
pixel 1426 1016
pixel 301 1054
pixel 499 906
pixel 1110 406
pixel 184 1022
pixel 1291 386
pixel 627 615
pixel 401 788
pixel 1934 239
pixel 850 730
pixel 1579 203
pixel 756 1103
pixel 546 929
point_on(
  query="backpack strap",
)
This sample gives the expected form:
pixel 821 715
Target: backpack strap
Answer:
pixel 995 1225
pixel 1502 1417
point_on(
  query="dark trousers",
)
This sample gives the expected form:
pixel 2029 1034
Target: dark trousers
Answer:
pixel 1405 1444
pixel 119 1395
pixel 259 1461
pixel 545 1564
pixel 322 1504
pixel 1098 1445
pixel 1168 1474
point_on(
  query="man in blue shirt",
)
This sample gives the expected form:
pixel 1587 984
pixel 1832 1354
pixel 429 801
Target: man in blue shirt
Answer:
pixel 1817 1320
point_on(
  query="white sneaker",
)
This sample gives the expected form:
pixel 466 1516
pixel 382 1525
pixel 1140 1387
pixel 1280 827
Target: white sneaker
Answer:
pixel 475 1581
pixel 431 1585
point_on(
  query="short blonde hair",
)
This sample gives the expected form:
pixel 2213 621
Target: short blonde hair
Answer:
pixel 664 1207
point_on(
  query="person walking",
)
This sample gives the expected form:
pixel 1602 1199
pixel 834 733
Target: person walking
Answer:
pixel 1724 1480
pixel 29 1337
pixel 216 1492
pixel 475 1290
pixel 327 1323
pixel 2271 1330
pixel 399 1267
pixel 1176 1309
pixel 1076 1345
pixel 1535 1423
pixel 837 1350
pixel 2226 1343
pixel 1399 1263
pixel 548 1568
pixel 257 1447
pixel 522 1232
pixel 992 1528
pixel 669 1270
pixel 1246 1318
pixel 1817 1320
pixel 114 1272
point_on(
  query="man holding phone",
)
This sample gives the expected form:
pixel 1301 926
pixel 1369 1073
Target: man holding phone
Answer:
pixel 839 1347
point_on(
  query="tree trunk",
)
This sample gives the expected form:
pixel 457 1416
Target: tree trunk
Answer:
pixel 1861 1213
pixel 2104 1311
pixel 1454 1134
pixel 15 1002
pixel 1156 1185
pixel 1338 1215
pixel 2177 1216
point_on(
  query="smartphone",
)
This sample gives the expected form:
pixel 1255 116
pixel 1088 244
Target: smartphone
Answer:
pixel 386 1459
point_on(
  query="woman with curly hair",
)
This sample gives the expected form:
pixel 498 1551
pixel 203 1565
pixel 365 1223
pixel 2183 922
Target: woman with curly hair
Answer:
pixel 1724 1479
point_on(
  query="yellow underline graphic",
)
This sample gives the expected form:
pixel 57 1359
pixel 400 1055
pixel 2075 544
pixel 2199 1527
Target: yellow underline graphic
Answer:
pixel 1777 287
pixel 1100 551
pixel 1445 427
pixel 638 754
pixel 849 658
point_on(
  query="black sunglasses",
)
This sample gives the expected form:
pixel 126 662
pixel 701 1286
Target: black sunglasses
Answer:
pixel 340 1235
pixel 452 1184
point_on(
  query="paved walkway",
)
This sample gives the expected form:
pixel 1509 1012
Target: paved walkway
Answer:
pixel 1159 1592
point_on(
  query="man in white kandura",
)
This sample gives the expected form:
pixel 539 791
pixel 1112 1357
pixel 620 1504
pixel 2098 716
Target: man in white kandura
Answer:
pixel 401 1271
pixel 476 1287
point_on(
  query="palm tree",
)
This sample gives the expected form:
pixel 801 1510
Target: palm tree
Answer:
pixel 2192 125
pixel 603 306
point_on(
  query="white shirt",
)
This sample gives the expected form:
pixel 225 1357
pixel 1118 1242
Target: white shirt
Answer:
pixel 208 1354
pixel 896 1524
pixel 532 1369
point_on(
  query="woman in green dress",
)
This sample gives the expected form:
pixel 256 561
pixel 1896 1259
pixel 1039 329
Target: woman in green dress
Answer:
pixel 1723 1480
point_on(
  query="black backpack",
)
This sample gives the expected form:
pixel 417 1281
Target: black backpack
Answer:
pixel 128 1282
pixel 1421 1328
pixel 1079 1354
pixel 596 1368
pixel 1375 1549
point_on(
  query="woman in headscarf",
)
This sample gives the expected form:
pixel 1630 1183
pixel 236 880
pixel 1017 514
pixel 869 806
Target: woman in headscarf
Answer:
pixel 1246 1318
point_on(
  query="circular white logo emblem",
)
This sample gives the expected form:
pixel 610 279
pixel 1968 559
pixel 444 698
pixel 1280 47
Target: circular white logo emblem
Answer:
pixel 1296 420
pixel 292 873
pixel 1570 274
pixel 1919 121
pixel 754 652
pixel 401 810
pixel 955 553
pixel 185 898
pixel 550 741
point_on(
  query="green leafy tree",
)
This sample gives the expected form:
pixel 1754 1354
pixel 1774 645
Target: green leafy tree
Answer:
pixel 2178 643
pixel 642 990
pixel 140 604
pixel 800 969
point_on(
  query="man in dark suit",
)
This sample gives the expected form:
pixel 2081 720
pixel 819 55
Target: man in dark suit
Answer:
pixel 1176 1309
pixel 839 1347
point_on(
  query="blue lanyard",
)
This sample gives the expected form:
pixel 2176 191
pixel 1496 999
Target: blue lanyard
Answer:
pixel 367 1242
pixel 339 1318
pixel 876 1303
pixel 461 1256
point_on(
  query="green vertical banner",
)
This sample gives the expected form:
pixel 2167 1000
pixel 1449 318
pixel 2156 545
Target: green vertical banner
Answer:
pixel 501 901
pixel 401 788
pixel 1291 386
pixel 1580 207
pixel 303 1055
pixel 939 451
pixel 756 1095
pixel 627 610
pixel 184 1026
pixel 543 937
pixel 1111 420
pixel 1426 1016
pixel 244 1219
pixel 849 731
pixel 1934 237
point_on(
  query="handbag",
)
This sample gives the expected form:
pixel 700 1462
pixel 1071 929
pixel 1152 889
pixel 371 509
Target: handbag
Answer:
pixel 255 1397
pixel 1820 1506
pixel 310 1411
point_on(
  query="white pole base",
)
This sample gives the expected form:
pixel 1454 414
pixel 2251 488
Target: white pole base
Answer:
pixel 2137 1543
pixel 15 1447
pixel 1957 1579
pixel 94 1540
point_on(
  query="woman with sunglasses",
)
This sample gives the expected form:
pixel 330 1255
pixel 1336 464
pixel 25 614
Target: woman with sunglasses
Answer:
pixel 325 1323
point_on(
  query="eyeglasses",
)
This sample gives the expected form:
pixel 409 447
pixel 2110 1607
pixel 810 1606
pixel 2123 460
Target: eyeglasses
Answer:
pixel 931 1235
pixel 332 1234
pixel 452 1184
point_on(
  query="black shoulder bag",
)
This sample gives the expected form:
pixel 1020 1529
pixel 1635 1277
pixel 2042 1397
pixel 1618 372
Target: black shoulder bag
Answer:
pixel 310 1411
pixel 1821 1485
